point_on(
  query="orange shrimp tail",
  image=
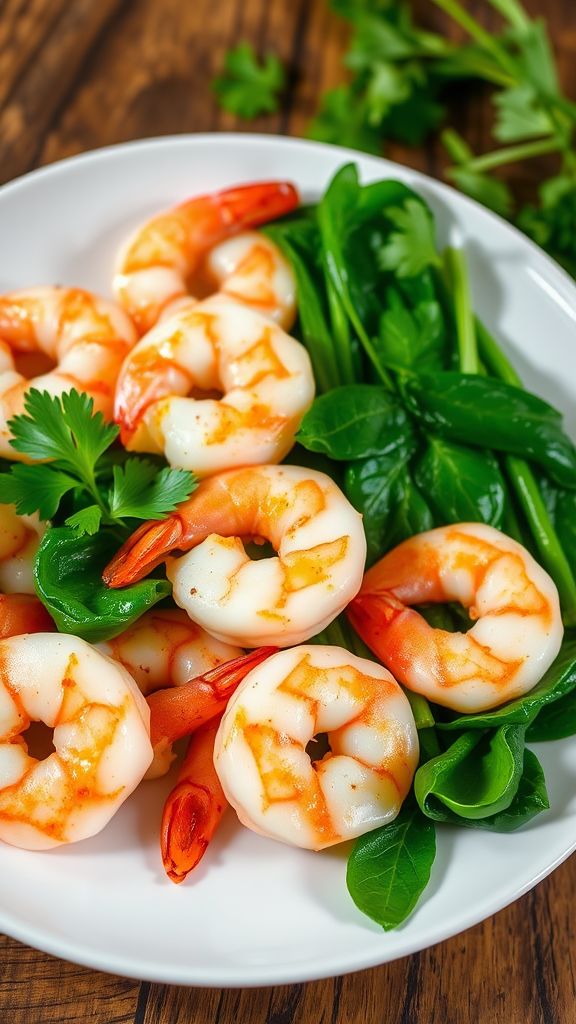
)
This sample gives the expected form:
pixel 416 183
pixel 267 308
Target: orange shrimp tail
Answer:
pixel 180 710
pixel 23 613
pixel 251 205
pixel 372 616
pixel 148 546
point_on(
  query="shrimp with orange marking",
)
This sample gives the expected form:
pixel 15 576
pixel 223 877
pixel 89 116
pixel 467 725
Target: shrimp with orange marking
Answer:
pixel 20 609
pixel 158 262
pixel 512 601
pixel 261 748
pixel 280 600
pixel 213 386
pixel 195 806
pixel 81 340
pixel 101 739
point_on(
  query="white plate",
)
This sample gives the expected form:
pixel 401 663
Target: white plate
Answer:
pixel 258 912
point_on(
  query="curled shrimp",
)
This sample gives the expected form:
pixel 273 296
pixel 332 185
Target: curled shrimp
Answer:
pixel 20 610
pixel 283 600
pixel 157 262
pixel 19 540
pixel 86 337
pixel 101 740
pixel 517 628
pixel 261 755
pixel 261 377
pixel 165 648
pixel 250 269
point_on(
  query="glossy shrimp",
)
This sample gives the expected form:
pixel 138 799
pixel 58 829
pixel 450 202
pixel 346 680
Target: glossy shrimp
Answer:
pixel 514 604
pixel 101 739
pixel 157 263
pixel 251 270
pixel 253 385
pixel 281 600
pixel 195 806
pixel 262 759
pixel 20 610
pixel 81 338
pixel 165 648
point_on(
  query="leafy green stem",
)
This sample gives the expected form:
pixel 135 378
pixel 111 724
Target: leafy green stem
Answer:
pixel 512 154
pixel 455 268
pixel 525 487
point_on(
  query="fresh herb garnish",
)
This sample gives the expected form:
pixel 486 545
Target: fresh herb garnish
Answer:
pixel 66 441
pixel 248 87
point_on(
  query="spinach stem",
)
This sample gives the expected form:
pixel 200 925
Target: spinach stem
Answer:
pixel 455 266
pixel 524 484
pixel 423 716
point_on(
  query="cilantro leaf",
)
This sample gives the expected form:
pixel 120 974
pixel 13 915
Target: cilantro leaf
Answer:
pixel 342 120
pixel 552 224
pixel 64 430
pixel 35 489
pixel 87 520
pixel 411 247
pixel 412 338
pixel 141 491
pixel 246 87
pixel 519 116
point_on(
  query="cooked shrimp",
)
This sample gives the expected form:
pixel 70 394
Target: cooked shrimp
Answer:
pixel 20 611
pixel 512 600
pixel 251 269
pixel 262 762
pixel 101 739
pixel 158 261
pixel 85 336
pixel 19 540
pixel 194 807
pixel 216 346
pixel 179 711
pixel 165 648
pixel 281 600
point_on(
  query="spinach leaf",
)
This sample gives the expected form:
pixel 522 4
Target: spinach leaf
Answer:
pixel 376 487
pixel 355 422
pixel 389 868
pixel 410 513
pixel 411 336
pixel 462 484
pixel 477 777
pixel 490 413
pixel 68 579
pixel 557 682
pixel 555 721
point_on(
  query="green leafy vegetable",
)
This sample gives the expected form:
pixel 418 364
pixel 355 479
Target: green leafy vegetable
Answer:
pixel 248 87
pixel 556 721
pixel 355 422
pixel 477 777
pixel 68 579
pixel 411 247
pixel 72 444
pixel 389 868
pixel 462 484
pixel 493 414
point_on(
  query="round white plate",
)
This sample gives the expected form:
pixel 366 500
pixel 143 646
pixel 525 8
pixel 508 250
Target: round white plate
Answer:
pixel 257 912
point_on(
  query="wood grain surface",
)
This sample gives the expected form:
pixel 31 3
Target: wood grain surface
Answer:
pixel 79 74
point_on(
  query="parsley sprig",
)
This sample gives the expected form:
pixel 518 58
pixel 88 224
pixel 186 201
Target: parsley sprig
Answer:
pixel 248 87
pixel 68 448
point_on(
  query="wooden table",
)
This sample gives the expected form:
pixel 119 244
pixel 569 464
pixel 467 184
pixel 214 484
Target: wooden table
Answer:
pixel 77 74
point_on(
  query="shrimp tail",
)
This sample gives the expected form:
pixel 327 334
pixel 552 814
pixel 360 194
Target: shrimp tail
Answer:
pixel 193 809
pixel 148 546
pixel 371 616
pixel 251 205
pixel 177 711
